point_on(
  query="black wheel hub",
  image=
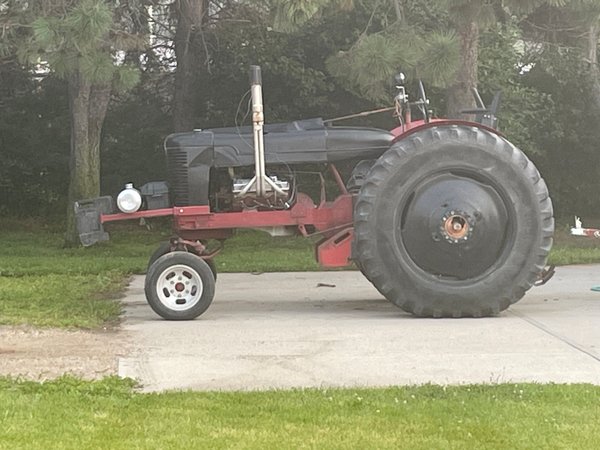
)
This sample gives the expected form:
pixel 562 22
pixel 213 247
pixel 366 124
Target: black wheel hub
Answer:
pixel 454 225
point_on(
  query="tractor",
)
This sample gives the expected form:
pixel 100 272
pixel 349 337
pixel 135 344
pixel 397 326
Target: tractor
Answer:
pixel 446 218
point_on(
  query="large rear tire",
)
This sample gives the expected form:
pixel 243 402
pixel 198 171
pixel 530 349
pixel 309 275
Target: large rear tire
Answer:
pixel 453 221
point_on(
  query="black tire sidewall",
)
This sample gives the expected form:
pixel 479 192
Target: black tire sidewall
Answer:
pixel 163 249
pixel 387 263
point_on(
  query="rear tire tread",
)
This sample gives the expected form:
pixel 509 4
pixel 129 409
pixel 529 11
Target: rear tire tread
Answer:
pixel 366 206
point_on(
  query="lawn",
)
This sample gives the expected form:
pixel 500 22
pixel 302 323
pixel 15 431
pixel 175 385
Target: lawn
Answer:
pixel 43 284
pixel 69 413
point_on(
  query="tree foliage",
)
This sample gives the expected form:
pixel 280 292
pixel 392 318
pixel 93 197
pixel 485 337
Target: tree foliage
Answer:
pixel 408 36
pixel 335 57
pixel 34 143
pixel 78 41
pixel 83 40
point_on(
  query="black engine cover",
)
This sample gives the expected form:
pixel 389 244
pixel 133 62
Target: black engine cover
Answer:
pixel 191 155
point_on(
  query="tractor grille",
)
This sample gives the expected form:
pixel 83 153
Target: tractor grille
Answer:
pixel 177 163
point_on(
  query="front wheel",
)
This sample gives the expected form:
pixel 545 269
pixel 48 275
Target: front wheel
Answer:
pixel 179 286
pixel 453 221
pixel 165 247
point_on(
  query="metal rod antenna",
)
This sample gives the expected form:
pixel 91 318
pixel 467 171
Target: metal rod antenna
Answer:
pixel 258 120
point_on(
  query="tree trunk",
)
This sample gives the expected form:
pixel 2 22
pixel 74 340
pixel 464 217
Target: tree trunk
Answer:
pixel 190 54
pixel 399 8
pixel 593 35
pixel 87 104
pixel 460 95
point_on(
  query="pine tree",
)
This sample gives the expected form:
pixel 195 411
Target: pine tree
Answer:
pixel 82 42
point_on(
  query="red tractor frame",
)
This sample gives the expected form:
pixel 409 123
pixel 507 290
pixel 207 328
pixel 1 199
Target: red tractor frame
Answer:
pixel 445 217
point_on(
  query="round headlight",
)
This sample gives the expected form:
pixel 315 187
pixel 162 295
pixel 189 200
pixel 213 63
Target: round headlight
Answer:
pixel 129 199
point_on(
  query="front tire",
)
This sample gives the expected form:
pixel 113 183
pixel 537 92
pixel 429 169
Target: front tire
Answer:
pixel 453 221
pixel 179 286
pixel 165 247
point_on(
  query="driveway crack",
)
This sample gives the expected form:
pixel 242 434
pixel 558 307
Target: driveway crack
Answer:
pixel 556 335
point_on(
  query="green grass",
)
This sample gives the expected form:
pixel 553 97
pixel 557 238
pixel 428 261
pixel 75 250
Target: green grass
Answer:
pixel 44 284
pixel 569 249
pixel 60 300
pixel 40 252
pixel 68 413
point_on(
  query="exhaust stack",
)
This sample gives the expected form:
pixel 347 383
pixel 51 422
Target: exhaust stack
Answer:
pixel 260 179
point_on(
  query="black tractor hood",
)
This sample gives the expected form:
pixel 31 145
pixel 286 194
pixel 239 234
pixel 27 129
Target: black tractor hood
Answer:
pixel 302 141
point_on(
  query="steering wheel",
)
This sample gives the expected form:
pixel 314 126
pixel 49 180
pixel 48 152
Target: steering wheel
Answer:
pixel 423 102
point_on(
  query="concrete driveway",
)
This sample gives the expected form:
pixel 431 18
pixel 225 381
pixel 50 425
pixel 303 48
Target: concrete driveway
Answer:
pixel 321 329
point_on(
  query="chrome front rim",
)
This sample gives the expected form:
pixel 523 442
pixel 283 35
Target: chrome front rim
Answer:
pixel 179 287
